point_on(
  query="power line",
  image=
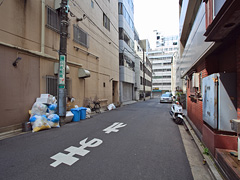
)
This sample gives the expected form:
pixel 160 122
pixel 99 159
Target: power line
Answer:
pixel 91 21
pixel 94 32
pixel 103 12
pixel 1 2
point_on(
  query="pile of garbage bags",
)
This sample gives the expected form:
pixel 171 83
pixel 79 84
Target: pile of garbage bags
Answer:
pixel 43 115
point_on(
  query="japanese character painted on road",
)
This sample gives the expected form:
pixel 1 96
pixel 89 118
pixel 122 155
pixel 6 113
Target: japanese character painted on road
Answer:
pixel 114 127
pixel 81 151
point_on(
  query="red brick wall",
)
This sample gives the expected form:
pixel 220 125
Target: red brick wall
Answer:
pixel 194 110
pixel 194 106
pixel 213 140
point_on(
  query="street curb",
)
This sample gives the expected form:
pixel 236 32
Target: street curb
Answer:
pixel 12 133
pixel 208 158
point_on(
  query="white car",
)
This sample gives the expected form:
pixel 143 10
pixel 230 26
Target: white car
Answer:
pixel 167 97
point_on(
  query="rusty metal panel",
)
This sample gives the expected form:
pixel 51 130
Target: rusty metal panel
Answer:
pixel 209 93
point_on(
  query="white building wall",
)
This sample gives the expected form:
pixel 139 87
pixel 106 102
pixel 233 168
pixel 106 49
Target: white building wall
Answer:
pixel 196 46
pixel 162 59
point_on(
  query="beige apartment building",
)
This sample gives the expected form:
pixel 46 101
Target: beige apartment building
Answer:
pixel 29 45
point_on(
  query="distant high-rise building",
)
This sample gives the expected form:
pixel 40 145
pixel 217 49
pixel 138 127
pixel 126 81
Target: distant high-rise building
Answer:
pixel 162 40
pixel 163 63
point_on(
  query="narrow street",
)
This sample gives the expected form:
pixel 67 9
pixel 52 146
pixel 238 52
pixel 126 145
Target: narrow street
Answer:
pixel 134 142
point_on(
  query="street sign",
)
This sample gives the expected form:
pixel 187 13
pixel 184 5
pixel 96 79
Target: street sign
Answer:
pixel 62 65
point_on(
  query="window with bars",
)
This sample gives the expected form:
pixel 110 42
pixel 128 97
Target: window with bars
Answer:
pixel 106 22
pixel 51 85
pixel 161 84
pixel 161 70
pixel 124 60
pixel 80 36
pixel 161 77
pixel 53 19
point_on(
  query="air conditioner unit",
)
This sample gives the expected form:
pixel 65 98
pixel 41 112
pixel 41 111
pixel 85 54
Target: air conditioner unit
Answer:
pixel 83 73
pixel 56 66
pixel 195 80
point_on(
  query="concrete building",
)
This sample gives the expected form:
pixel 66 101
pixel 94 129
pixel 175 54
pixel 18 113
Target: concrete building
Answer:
pixel 163 60
pixel 145 70
pixel 126 50
pixel 29 36
pixel 138 53
pixel 210 64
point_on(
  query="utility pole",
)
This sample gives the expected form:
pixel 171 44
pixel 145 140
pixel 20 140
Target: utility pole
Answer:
pixel 62 93
pixel 144 80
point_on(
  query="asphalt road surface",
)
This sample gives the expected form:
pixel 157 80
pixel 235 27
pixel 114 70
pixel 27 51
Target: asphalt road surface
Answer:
pixel 134 142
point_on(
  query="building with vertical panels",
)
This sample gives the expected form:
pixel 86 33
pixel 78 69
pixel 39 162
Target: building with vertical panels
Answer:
pixel 29 36
pixel 126 50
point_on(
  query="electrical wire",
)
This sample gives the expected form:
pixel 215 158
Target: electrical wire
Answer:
pixel 94 32
pixel 1 2
pixel 91 21
pixel 104 13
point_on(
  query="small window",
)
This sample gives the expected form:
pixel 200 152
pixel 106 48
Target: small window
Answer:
pixel 53 19
pixel 92 4
pixel 80 36
pixel 106 22
pixel 51 85
pixel 120 8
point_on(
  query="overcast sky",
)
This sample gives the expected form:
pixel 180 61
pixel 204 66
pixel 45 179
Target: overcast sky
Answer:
pixel 161 15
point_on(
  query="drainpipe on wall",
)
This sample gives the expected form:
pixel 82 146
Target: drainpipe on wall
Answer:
pixel 43 28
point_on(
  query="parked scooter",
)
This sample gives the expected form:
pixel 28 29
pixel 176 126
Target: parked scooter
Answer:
pixel 177 113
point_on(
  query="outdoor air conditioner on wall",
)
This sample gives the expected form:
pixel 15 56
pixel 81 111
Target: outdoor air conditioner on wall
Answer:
pixel 83 73
pixel 195 80
pixel 56 66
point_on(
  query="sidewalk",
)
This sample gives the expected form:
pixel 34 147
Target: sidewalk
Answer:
pixel 213 170
pixel 128 102
pixel 199 169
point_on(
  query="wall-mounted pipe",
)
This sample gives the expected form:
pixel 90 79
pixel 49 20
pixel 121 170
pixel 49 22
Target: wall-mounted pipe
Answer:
pixel 43 28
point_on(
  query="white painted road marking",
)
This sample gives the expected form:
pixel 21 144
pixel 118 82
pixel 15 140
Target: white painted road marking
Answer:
pixel 114 127
pixel 68 158
pixel 81 151
pixel 63 158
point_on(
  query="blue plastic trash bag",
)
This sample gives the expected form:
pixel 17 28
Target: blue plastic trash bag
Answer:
pixel 53 120
pixel 52 109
